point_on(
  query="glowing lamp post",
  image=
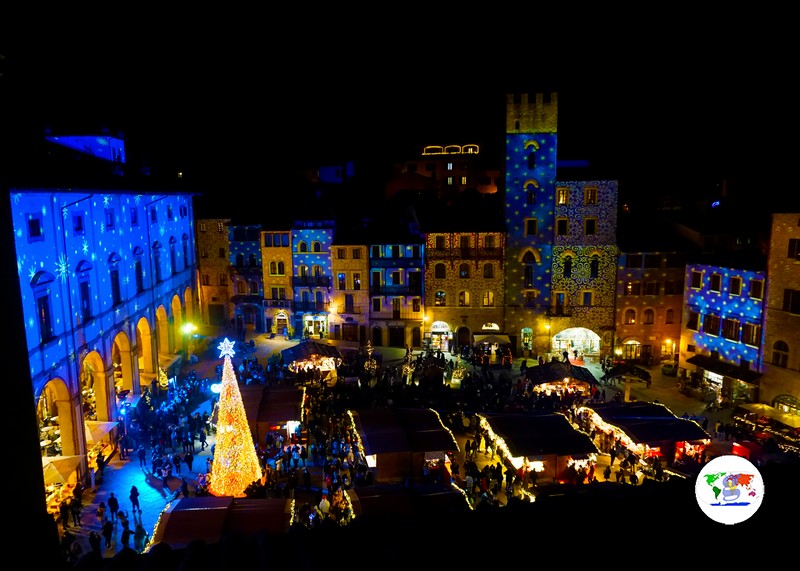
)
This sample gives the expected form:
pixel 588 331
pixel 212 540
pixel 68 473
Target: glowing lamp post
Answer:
pixel 188 330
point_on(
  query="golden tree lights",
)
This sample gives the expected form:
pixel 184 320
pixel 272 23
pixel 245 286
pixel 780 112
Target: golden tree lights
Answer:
pixel 236 464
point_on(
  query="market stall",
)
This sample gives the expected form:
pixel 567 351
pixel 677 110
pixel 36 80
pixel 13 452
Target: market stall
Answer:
pixel 308 356
pixel 561 378
pixel 60 478
pixel 542 443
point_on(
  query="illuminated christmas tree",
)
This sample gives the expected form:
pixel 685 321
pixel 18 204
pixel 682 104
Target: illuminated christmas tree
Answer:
pixel 236 463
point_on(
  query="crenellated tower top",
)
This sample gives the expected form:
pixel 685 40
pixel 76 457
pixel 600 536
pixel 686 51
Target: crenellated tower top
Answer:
pixel 537 116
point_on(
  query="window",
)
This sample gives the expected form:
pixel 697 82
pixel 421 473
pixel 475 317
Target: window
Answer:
pixel 649 316
pixel 751 334
pixel 531 226
pixel 697 279
pixel 791 301
pixel 376 304
pixel 756 289
pixel 157 262
pixel 562 195
pixel 449 166
pixel 254 287
pixel 396 278
pixel 715 283
pixel 205 280
pixel 316 271
pixel 489 243
pixel 108 215
pixel 594 266
pixel 670 316
pixel 464 242
pixel 568 267
pixel 416 305
pixel 77 224
pixel 632 288
pixel 316 247
pixel 302 247
pixel 185 244
pixel 356 282
pixel 711 324
pixel 531 160
pixel 652 261
pixel 356 254
pixel 341 280
pixel 693 321
pixel 41 291
pixel 221 253
pixel 440 299
pixel 113 265
pixel 220 227
pixel 651 288
pixel 153 215
pixel 463 299
pixel 375 252
pixel 135 218
pixel 463 271
pixel 587 298
pixel 794 249
pixel 35 228
pixel 529 277
pixel 376 279
pixel 730 329
pixel 590 226
pixel 449 181
pixel 83 273
pixel 559 302
pixel 169 212
pixel 633 261
pixel 341 253
pixel 223 279
pixel 780 354
pixel 673 287
pixel 184 210
pixel 395 252
pixel 488 298
pixel 439 243
pixel 562 227
pixel 488 271
pixel 736 285
pixel 241 287
pixel 173 256
pixel 463 180
pixel 630 317
pixel 590 195
pixel 138 270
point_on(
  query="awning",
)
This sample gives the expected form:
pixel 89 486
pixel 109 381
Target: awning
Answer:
pixel 725 369
pixel 306 349
pixel 95 430
pixel 492 338
pixel 58 469
pixel 790 420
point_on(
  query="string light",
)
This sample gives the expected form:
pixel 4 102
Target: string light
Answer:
pixel 235 464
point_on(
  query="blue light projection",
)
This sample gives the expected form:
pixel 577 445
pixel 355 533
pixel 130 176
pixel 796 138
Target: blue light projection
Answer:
pixel 726 304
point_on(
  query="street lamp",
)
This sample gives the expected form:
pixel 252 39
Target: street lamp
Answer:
pixel 187 329
pixel 549 340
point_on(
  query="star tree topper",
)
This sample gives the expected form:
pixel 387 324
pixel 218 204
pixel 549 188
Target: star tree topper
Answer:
pixel 226 348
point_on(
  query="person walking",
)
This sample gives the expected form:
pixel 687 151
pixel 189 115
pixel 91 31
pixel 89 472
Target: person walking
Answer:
pixel 134 497
pixel 125 538
pixel 108 533
pixel 142 455
pixel 176 463
pixel 139 538
pixel 189 459
pixel 113 506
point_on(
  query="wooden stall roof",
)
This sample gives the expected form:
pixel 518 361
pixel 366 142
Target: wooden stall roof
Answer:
pixel 647 423
pixel 403 430
pixel 540 435
pixel 554 371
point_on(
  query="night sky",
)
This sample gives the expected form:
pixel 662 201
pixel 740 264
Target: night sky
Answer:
pixel 232 107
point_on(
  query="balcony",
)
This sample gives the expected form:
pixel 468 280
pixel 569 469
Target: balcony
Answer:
pixel 396 290
pixel 396 262
pixel 311 306
pixel 351 309
pixel 278 303
pixel 465 253
pixel 246 271
pixel 247 298
pixel 391 314
pixel 311 281
pixel 559 311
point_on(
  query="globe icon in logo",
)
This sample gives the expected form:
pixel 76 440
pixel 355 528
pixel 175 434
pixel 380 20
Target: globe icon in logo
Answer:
pixel 729 489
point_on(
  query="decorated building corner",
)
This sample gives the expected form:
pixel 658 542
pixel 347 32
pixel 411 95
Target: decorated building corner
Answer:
pixel 235 465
